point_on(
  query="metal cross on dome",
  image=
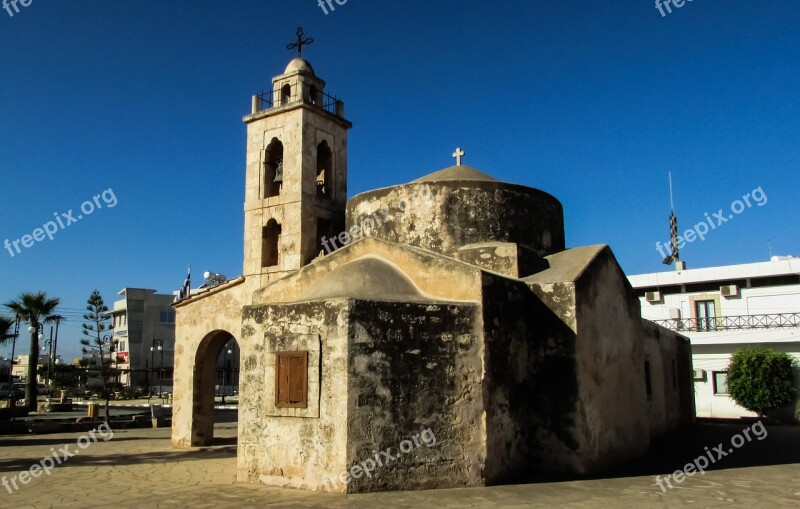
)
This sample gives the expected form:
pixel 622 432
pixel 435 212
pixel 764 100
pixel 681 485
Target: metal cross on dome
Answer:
pixel 459 154
pixel 300 42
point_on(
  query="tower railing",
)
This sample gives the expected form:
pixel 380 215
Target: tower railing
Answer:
pixel 269 99
pixel 732 323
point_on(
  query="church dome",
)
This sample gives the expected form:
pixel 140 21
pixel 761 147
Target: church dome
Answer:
pixel 460 172
pixel 366 279
pixel 460 206
pixel 300 65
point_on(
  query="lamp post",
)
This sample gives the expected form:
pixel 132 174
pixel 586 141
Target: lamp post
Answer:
pixel 11 398
pixel 49 344
pixel 158 346
pixel 228 351
pixel 112 343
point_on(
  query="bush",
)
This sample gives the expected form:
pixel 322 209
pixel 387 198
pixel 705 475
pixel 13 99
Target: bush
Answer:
pixel 761 379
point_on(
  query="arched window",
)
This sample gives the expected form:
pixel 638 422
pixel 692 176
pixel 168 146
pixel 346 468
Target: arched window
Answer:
pixel 286 94
pixel 312 94
pixel 270 240
pixel 273 168
pixel 324 170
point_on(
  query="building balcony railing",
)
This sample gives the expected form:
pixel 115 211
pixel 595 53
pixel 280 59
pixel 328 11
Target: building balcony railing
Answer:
pixel 293 94
pixel 730 323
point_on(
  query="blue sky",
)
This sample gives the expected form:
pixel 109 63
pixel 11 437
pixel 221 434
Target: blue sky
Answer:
pixel 593 102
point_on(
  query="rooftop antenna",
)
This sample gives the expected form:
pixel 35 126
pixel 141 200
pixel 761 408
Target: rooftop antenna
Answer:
pixel 769 245
pixel 675 256
pixel 671 199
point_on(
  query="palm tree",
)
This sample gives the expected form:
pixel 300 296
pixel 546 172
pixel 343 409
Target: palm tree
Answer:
pixel 36 309
pixel 6 325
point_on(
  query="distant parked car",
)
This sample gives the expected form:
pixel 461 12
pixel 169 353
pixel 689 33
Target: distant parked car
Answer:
pixel 7 390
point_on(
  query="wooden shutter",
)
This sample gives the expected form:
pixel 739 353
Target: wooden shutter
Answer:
pixel 291 380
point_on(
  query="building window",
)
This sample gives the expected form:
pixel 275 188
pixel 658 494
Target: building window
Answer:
pixel 324 164
pixel 291 380
pixel 706 315
pixel 273 168
pixel 647 381
pixel 721 383
pixel 167 316
pixel 270 240
pixel 312 94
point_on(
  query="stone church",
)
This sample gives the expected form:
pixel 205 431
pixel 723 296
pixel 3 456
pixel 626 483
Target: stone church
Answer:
pixel 446 307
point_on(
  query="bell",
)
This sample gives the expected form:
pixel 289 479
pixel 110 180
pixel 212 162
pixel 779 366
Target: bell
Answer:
pixel 279 173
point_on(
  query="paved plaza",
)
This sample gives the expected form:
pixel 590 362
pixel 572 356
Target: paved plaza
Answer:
pixel 137 469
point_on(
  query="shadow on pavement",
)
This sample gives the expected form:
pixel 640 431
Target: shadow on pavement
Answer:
pixel 674 451
pixel 85 458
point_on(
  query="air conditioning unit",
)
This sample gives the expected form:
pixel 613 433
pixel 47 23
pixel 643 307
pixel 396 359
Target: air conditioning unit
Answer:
pixel 652 297
pixel 674 313
pixel 729 291
pixel 699 375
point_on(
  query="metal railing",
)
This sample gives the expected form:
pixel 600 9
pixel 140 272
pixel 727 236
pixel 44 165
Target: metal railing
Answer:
pixel 329 103
pixel 728 323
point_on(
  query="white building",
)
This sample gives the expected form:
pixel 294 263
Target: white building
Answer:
pixel 722 309
pixel 20 368
pixel 144 328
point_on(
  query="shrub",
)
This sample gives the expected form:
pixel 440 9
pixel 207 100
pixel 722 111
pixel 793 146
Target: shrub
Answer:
pixel 761 379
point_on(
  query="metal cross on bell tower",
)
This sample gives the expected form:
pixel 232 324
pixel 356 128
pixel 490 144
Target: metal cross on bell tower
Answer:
pixel 301 41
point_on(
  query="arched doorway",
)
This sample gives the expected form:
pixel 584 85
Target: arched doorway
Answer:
pixel 216 373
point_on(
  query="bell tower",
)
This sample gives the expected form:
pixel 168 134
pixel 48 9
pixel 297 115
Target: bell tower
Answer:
pixel 296 181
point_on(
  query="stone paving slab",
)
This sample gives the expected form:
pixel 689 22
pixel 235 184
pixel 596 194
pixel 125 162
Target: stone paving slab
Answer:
pixel 138 469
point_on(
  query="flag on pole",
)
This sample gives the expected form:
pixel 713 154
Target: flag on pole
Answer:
pixel 673 232
pixel 186 289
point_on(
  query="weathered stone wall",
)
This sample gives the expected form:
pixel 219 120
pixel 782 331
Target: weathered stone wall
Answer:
pixel 297 448
pixel 415 367
pixel 530 391
pixel 660 379
pixel 301 128
pixel 444 216
pixel 613 419
pixel 672 403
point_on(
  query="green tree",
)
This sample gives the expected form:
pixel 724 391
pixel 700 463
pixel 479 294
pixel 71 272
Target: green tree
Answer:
pixel 36 309
pixel 97 323
pixel 761 379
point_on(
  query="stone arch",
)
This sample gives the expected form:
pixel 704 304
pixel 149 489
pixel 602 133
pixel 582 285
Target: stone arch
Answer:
pixel 313 94
pixel 324 170
pixel 270 240
pixel 204 383
pixel 273 168
pixel 286 94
